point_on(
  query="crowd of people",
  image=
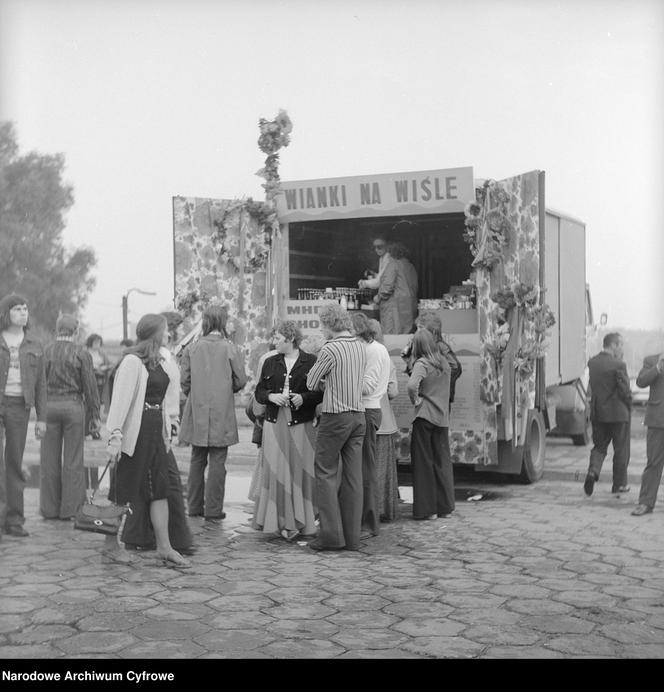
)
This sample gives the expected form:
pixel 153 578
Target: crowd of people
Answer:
pixel 324 427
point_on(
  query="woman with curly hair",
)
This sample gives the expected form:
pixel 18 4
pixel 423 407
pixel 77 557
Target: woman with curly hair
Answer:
pixel 285 504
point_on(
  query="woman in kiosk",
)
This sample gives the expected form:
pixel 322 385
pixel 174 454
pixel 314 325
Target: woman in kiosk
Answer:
pixel 286 505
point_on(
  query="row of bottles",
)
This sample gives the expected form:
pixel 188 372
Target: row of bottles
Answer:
pixel 348 298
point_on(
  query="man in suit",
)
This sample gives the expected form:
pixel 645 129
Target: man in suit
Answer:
pixel 652 375
pixel 610 406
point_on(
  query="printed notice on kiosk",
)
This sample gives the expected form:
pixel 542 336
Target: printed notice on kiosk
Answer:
pixel 435 191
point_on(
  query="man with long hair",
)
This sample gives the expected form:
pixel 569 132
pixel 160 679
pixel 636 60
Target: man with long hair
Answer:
pixel 22 386
pixel 212 370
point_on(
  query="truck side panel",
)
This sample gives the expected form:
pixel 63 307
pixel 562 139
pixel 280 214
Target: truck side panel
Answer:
pixel 552 296
pixel 572 315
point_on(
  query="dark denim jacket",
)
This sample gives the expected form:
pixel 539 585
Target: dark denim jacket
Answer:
pixel 272 380
pixel 33 373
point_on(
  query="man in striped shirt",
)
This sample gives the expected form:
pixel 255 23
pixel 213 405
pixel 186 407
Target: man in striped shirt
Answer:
pixel 339 371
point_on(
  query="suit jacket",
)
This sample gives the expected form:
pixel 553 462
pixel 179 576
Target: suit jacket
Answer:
pixel 650 377
pixel 272 378
pixel 611 399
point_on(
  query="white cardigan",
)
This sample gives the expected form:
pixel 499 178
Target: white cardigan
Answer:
pixel 126 409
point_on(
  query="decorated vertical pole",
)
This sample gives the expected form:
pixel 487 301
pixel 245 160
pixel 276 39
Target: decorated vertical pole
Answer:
pixel 274 134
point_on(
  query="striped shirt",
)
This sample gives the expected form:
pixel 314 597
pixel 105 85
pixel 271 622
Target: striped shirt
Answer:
pixel 69 372
pixel 341 362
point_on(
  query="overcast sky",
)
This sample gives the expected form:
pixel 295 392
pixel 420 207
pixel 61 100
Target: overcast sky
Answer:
pixel 149 99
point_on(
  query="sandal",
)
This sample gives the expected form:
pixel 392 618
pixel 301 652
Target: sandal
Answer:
pixel 174 559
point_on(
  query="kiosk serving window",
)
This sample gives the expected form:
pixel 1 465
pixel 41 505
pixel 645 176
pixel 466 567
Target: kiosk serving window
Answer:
pixel 337 252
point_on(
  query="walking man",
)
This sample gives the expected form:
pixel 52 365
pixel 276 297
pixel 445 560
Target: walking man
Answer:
pixel 610 406
pixel 72 388
pixel 341 364
pixel 652 375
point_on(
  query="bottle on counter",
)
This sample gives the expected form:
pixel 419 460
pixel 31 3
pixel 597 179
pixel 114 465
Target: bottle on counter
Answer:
pixel 343 301
pixel 351 301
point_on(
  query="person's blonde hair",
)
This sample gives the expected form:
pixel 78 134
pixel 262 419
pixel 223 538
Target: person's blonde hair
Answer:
pixel 335 318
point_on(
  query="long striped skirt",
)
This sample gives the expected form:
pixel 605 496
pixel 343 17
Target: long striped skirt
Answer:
pixel 286 502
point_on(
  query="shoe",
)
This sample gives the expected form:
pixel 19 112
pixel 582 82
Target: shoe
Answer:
pixel 641 510
pixel 174 559
pixel 620 490
pixel 187 551
pixel 289 535
pixel 139 548
pixel 219 518
pixel 429 516
pixel 589 484
pixel 317 545
pixel 16 530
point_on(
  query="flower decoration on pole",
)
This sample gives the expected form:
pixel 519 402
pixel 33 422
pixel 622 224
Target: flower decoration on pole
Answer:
pixel 274 134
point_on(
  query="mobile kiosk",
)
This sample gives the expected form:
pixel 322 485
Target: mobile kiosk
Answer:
pixel 492 262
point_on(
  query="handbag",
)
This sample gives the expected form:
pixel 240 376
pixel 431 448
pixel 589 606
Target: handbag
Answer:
pixel 106 519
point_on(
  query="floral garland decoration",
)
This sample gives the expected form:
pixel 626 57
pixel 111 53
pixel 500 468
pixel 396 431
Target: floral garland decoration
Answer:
pixel 487 228
pixel 274 134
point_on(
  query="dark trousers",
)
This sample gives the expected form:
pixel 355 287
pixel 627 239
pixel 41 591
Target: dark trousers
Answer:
pixel 433 476
pixel 370 517
pixel 14 418
pixel 603 435
pixel 62 475
pixel 652 474
pixel 207 497
pixel 339 490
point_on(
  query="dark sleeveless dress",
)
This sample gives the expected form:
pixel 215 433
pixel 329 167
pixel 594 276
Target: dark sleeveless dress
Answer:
pixel 143 477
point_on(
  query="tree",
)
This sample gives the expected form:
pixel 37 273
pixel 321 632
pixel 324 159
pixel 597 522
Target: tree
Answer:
pixel 33 259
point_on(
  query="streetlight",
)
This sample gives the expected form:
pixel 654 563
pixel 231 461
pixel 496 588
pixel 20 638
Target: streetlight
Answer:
pixel 125 307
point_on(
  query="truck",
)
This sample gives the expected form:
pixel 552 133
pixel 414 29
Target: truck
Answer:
pixel 505 275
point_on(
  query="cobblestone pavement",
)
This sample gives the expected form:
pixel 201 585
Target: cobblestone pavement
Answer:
pixel 535 571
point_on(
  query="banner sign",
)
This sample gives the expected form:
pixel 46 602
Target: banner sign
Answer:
pixel 393 194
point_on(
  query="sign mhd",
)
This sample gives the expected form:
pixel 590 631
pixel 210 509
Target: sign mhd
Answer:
pixel 393 194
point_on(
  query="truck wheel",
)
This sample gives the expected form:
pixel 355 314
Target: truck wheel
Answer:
pixel 534 449
pixel 586 436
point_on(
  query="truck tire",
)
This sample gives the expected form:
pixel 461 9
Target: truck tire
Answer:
pixel 534 449
pixel 586 436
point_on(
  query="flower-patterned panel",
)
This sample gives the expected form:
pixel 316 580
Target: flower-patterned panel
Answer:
pixel 221 256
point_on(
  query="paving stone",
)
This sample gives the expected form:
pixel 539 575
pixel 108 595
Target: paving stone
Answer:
pixel 12 623
pixel 416 594
pixel 247 587
pixel 131 589
pixel 643 651
pixel 285 596
pixel 380 654
pixel 180 596
pixel 356 602
pixel 73 596
pixel 604 616
pixel 574 645
pixel 303 629
pixel 520 652
pixel 594 567
pixel 531 606
pixel 444 647
pixel 243 621
pixel 241 602
pixel 298 611
pixel 303 648
pixel 520 591
pixel 468 583
pixel 30 651
pixel 473 600
pixel 96 642
pixel 429 627
pixel 417 609
pixel 14 606
pixel 404 582
pixel 41 634
pixel 361 619
pixel 110 622
pixel 633 633
pixel 186 611
pixel 657 621
pixel 348 586
pixel 585 598
pixel 163 650
pixel 612 580
pixel 123 604
pixel 234 640
pixel 170 629
pixel 634 592
pixel 558 624
pixel 502 635
pixel 39 578
pixel 568 583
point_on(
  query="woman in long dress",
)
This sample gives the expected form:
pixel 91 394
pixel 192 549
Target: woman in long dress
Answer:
pixel 140 430
pixel 286 504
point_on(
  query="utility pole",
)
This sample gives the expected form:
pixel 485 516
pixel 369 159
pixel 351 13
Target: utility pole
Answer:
pixel 125 309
